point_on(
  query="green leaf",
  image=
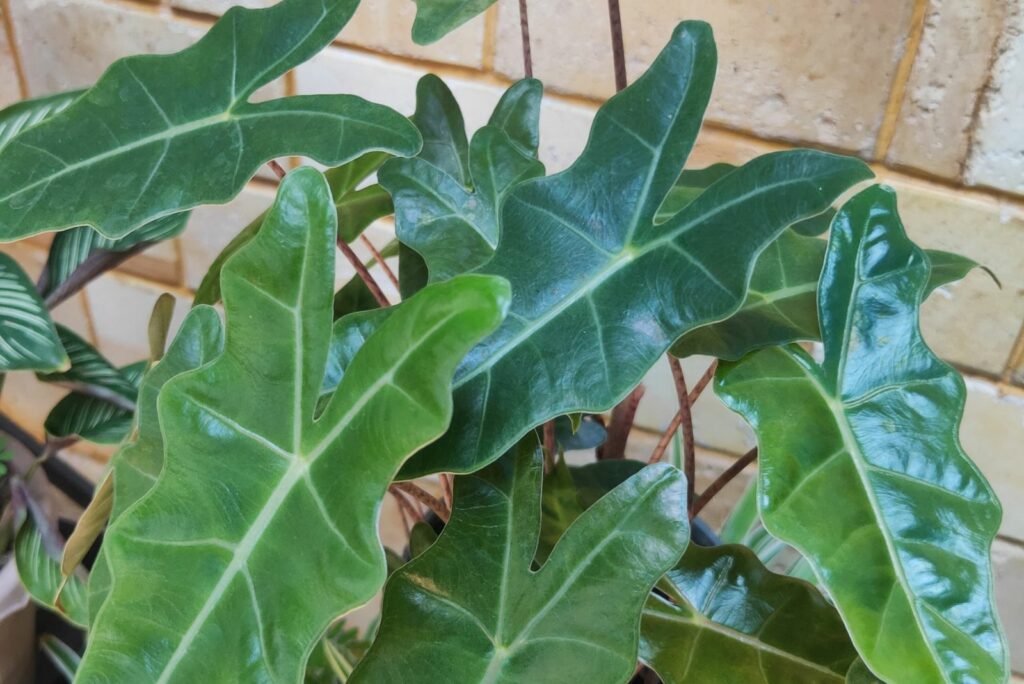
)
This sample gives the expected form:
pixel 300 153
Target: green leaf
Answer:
pixel 503 621
pixel 23 115
pixel 725 618
pixel 92 418
pixel 28 338
pixel 447 199
pixel 37 555
pixel 355 214
pixel 588 434
pixel 90 369
pixel 63 658
pixel 600 288
pixel 860 465
pixel 437 18
pixel 150 138
pixel 948 267
pixel 203 549
pixel 743 518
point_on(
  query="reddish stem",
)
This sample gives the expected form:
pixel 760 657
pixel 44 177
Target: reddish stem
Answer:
pixel 524 32
pixel 621 425
pixel 425 498
pixel 725 478
pixel 363 273
pixel 277 168
pixel 694 395
pixel 380 260
pixel 686 421
pixel 618 49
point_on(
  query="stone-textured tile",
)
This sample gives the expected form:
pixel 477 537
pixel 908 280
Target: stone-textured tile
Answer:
pixel 10 90
pixel 948 77
pixel 973 322
pixel 1008 571
pixel 213 226
pixel 992 434
pixel 120 308
pixel 815 70
pixel 997 155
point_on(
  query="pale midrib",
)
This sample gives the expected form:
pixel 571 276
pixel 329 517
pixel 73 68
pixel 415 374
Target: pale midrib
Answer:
pixel 296 471
pixel 704 624
pixel 624 258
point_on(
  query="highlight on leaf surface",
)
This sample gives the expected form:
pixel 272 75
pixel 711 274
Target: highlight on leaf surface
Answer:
pixel 28 337
pixel 150 139
pixel 860 464
pixel 503 621
pixel 721 616
pixel 198 587
pixel 602 282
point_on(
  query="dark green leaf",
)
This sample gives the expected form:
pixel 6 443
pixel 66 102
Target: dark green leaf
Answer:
pixel 250 478
pixel 421 538
pixel 447 199
pixel 589 434
pixel 601 289
pixel 861 468
pixel 503 621
pixel 150 138
pixel 37 554
pixel 594 480
pixel 92 418
pixel 90 369
pixel 743 517
pixel 63 658
pixel 412 271
pixel 437 18
pixel 28 338
pixel 725 618
pixel 23 115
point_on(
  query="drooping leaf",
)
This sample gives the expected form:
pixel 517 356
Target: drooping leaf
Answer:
pixel 596 479
pixel 504 622
pixel 63 658
pixel 88 527
pixel 92 418
pixel 246 466
pixel 861 468
pixel 589 434
pixel 23 115
pixel 447 199
pixel 948 267
pixel 600 289
pixel 37 554
pixel 355 214
pixel 150 139
pixel 437 18
pixel 28 338
pixel 725 618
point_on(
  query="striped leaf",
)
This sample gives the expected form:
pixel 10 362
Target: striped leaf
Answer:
pixel 93 418
pixel 21 116
pixel 28 338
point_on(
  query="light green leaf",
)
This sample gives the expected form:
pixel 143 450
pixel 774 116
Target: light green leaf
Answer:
pixel 28 338
pixel 504 622
pixel 437 18
pixel 23 115
pixel 725 618
pixel 447 199
pixel 601 289
pixel 151 139
pixel 92 418
pixel 860 465
pixel 37 555
pixel 246 466
pixel 64 658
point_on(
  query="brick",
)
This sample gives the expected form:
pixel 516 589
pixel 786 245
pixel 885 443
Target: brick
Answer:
pixel 808 70
pixel 947 78
pixel 10 89
pixel 1008 572
pixel 972 323
pixel 121 307
pixel 997 155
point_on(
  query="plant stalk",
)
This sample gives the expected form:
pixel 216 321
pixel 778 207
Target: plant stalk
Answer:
pixel 380 260
pixel 364 273
pixel 686 422
pixel 524 32
pixel 725 478
pixel 618 48
pixel 666 437
pixel 623 416
pixel 425 498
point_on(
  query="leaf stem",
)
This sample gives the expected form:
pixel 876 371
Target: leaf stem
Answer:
pixel 277 169
pixel 95 265
pixel 380 260
pixel 449 494
pixel 101 393
pixel 524 32
pixel 725 478
pixel 686 421
pixel 694 395
pixel 364 273
pixel 620 426
pixel 425 498
pixel 618 49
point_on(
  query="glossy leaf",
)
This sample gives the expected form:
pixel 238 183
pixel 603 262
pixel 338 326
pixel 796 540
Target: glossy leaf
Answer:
pixel 23 115
pixel 437 18
pixel 254 472
pixel 37 555
pixel 63 658
pixel 150 139
pixel 725 618
pixel 92 418
pixel 447 199
pixel 861 468
pixel 504 622
pixel 28 338
pixel 600 288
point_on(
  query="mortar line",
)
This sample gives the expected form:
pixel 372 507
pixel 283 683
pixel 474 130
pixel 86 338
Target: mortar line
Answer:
pixel 898 90
pixel 490 38
pixel 19 70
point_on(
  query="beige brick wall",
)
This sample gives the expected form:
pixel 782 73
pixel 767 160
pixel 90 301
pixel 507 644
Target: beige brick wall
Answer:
pixel 929 91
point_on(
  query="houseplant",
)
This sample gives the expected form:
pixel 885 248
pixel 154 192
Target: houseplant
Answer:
pixel 243 504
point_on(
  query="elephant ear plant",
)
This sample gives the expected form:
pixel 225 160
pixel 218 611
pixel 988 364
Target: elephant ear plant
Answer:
pixel 238 524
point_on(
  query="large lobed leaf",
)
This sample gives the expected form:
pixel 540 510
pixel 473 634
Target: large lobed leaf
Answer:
pixel 28 338
pixel 250 478
pixel 448 197
pixel 600 287
pixel 150 138
pixel 498 620
pixel 861 468
pixel 723 617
